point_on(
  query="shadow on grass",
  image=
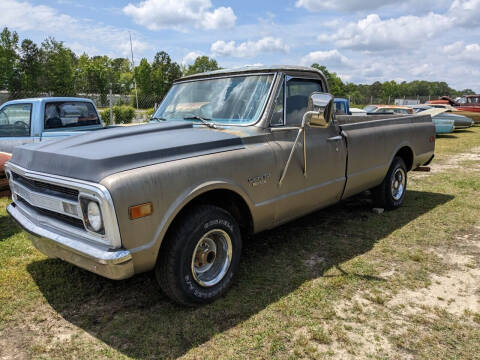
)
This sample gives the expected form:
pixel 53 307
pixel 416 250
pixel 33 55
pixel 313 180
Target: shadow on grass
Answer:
pixel 461 131
pixel 8 227
pixel 133 316
pixel 446 136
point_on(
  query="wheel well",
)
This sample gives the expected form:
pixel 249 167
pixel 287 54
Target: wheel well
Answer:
pixel 407 155
pixel 225 199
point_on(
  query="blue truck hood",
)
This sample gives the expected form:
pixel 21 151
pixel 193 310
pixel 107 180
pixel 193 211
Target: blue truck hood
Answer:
pixel 96 155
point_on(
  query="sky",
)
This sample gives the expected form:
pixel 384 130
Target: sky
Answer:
pixel 361 40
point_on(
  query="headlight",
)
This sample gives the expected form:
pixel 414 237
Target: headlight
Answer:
pixel 92 215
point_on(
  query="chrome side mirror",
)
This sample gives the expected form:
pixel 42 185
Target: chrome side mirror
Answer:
pixel 320 110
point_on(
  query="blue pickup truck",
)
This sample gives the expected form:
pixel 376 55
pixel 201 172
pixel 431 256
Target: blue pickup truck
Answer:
pixel 32 120
pixel 342 106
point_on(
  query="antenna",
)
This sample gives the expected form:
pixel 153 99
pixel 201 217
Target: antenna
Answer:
pixel 133 65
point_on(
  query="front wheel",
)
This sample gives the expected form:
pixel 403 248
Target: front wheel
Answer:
pixel 391 192
pixel 201 256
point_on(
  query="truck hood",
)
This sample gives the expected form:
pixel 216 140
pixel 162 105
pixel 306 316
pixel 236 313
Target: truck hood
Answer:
pixel 96 155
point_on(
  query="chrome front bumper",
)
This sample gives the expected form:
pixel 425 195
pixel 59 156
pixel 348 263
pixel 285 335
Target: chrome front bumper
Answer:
pixel 112 264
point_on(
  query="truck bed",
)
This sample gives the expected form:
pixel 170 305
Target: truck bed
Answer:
pixel 366 135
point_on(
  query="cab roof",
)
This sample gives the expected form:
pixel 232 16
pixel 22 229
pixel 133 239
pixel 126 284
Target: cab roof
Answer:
pixel 48 99
pixel 257 69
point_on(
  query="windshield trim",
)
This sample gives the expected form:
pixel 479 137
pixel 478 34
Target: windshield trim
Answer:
pixel 262 113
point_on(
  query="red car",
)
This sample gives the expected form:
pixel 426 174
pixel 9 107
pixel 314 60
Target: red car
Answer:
pixel 4 157
pixel 466 103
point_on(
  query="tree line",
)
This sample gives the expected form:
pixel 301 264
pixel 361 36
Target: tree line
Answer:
pixel 51 68
pixel 389 89
pixel 28 69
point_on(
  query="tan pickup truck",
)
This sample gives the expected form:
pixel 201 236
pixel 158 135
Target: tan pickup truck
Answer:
pixel 228 154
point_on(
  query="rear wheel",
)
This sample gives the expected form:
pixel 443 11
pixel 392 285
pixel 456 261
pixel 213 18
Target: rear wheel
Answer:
pixel 200 257
pixel 391 192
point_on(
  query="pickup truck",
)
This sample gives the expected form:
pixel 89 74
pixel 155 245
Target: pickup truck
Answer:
pixel 39 119
pixel 228 154
pixel 342 106
pixel 32 120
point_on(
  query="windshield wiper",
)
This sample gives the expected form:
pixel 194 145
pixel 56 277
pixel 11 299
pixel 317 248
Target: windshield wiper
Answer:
pixel 158 119
pixel 203 120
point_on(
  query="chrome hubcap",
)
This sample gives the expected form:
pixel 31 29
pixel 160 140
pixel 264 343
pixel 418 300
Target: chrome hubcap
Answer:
pixel 398 184
pixel 211 258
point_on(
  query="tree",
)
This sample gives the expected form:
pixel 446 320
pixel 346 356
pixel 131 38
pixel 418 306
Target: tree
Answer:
pixel 337 87
pixel 9 61
pixel 164 72
pixel 202 64
pixel 100 76
pixel 30 68
pixel 59 68
pixel 122 77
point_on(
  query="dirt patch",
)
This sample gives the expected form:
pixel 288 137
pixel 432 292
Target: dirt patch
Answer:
pixel 38 334
pixel 457 161
pixel 366 315
pixel 457 291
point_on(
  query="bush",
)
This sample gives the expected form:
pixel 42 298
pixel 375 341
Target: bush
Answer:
pixel 123 114
pixel 150 112
pixel 105 115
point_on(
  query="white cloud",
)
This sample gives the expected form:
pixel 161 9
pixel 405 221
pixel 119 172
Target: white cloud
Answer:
pixel 460 51
pixel 466 12
pixel 327 58
pixel 80 34
pixel 180 14
pixel 343 5
pixel 399 6
pixel 372 33
pixel 190 57
pixel 249 48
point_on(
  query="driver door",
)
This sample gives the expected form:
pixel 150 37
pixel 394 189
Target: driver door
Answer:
pixel 323 183
pixel 15 125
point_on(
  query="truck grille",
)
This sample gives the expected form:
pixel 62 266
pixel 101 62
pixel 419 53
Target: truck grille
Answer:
pixel 60 217
pixel 49 189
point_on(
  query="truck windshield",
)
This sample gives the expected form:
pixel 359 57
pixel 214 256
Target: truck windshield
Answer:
pixel 232 100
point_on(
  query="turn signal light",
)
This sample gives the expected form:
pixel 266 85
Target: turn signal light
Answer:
pixel 141 210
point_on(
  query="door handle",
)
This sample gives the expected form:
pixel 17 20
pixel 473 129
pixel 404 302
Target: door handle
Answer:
pixel 335 138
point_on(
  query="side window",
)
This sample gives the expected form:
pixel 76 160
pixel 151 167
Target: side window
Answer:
pixel 277 117
pixel 70 114
pixel 298 92
pixel 15 120
pixel 340 108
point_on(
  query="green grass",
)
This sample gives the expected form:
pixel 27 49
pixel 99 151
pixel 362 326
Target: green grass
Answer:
pixel 284 303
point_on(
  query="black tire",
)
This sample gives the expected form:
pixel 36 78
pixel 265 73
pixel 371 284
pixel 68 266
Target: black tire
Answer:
pixel 384 195
pixel 175 266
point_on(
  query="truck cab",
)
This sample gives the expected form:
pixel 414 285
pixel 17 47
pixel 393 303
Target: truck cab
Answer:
pixel 32 120
pixel 342 106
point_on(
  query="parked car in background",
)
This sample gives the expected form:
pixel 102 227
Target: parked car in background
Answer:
pixel 357 112
pixel 475 116
pixel 442 113
pixel 342 106
pixel 388 109
pixel 442 125
pixel 32 120
pixel 232 153
pixel 469 103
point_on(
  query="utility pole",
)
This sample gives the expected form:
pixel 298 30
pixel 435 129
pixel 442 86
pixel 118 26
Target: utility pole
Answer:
pixel 133 65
